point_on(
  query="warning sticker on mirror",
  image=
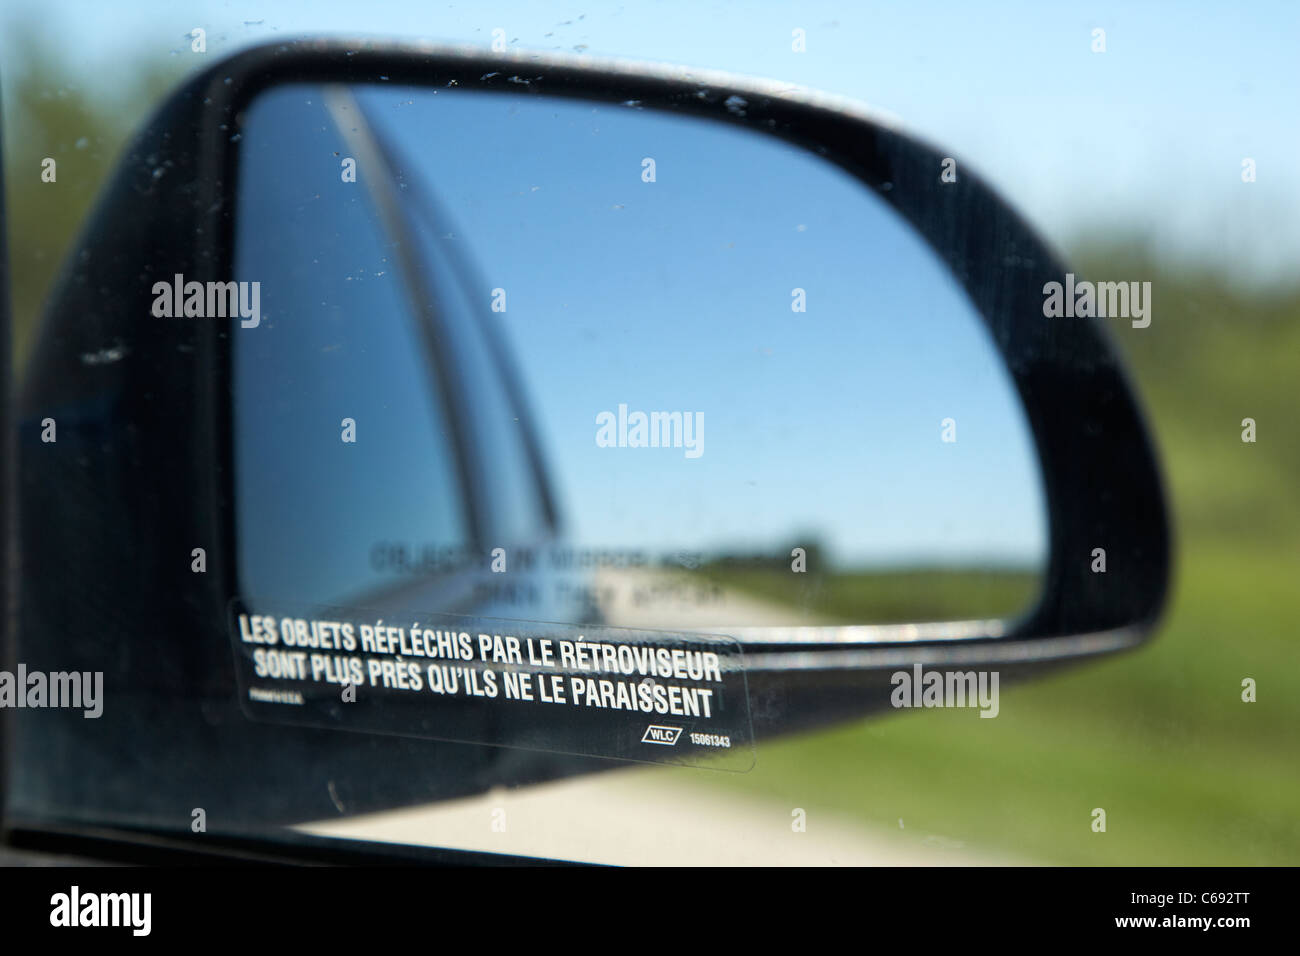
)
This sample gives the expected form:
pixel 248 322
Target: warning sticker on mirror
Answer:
pixel 654 696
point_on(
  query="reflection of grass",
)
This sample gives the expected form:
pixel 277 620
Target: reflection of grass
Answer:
pixel 1187 772
pixel 865 597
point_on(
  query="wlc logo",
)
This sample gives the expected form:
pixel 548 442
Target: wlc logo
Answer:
pixel 658 734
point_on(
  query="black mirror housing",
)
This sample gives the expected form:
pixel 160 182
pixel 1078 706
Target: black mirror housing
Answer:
pixel 141 474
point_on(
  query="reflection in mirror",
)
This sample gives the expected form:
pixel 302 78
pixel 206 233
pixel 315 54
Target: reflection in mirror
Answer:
pixel 661 371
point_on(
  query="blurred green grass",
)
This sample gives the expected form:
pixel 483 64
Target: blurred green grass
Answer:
pixel 1159 737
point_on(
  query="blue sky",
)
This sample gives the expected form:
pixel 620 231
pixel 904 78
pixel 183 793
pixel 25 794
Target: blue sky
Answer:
pixel 1145 139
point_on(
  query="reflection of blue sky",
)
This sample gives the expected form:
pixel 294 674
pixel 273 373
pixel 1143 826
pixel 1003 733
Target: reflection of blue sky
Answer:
pixel 675 296
pixel 335 342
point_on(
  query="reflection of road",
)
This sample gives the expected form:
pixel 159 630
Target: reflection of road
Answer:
pixel 674 601
pixel 645 817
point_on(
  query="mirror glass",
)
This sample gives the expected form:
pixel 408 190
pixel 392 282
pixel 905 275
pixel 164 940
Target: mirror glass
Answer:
pixel 662 371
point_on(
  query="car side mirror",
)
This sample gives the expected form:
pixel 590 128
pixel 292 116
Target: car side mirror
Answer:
pixel 529 346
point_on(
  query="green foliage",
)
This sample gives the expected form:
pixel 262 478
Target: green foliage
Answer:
pixel 1160 738
pixel 83 129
